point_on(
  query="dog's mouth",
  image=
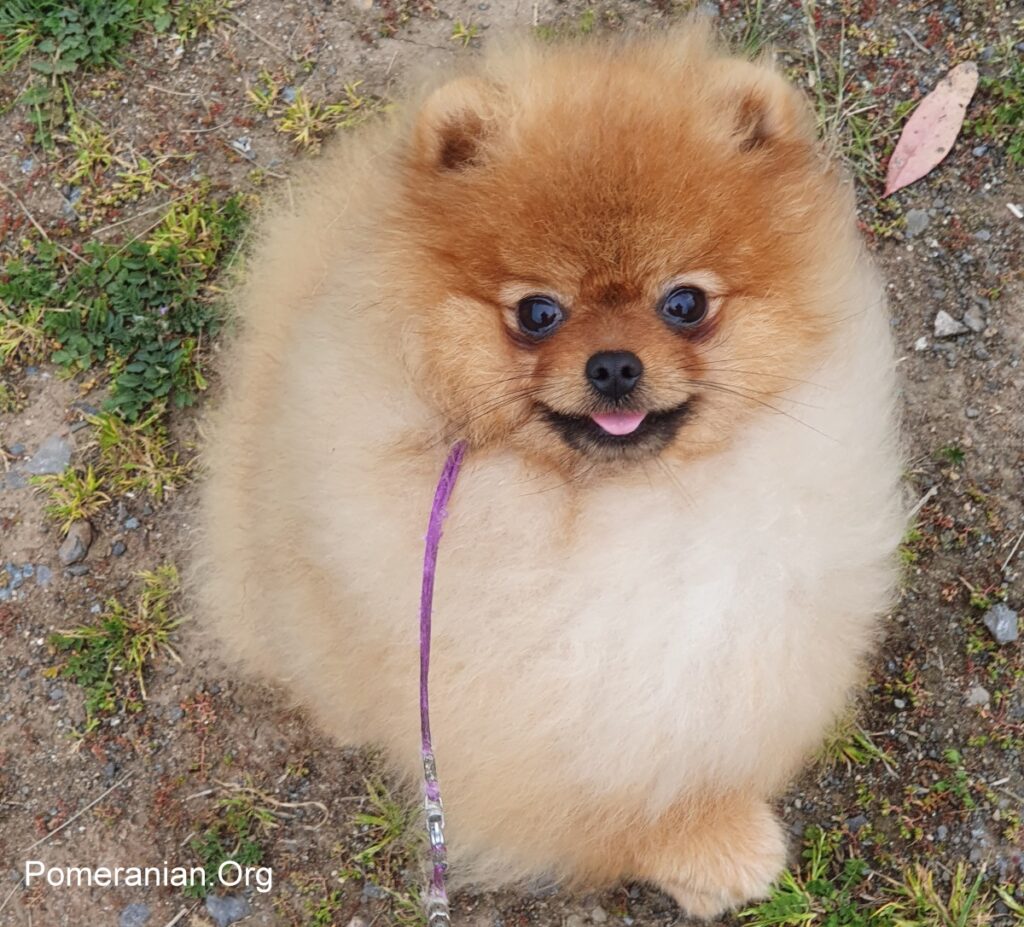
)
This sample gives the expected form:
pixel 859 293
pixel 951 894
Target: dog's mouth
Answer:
pixel 621 430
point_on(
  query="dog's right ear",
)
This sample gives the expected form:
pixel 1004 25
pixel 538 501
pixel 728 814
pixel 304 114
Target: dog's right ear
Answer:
pixel 455 124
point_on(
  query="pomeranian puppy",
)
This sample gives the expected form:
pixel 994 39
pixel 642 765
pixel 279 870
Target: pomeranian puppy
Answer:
pixel 625 275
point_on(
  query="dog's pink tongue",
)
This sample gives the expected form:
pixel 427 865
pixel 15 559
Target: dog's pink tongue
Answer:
pixel 619 423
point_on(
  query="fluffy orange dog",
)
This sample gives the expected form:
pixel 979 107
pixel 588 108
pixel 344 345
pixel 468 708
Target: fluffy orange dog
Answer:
pixel 624 273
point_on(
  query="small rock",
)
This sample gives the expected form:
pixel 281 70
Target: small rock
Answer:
pixel 16 450
pixel 974 319
pixel 1001 620
pixel 56 694
pixel 131 523
pixel 226 909
pixel 941 832
pixel 856 823
pixel 921 344
pixel 708 9
pixel 373 892
pixel 78 569
pixel 946 326
pixel 174 713
pixel 899 703
pixel 118 548
pixel 971 412
pixel 288 94
pixel 357 921
pixel 983 235
pixel 978 695
pixel 27 166
pixel 243 145
pixel 979 152
pixel 43 575
pixel 917 222
pixel 135 915
pixel 76 544
pixel 575 920
pixel 599 915
pixel 53 456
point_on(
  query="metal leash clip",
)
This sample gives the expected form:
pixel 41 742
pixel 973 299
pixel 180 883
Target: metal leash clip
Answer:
pixel 437 908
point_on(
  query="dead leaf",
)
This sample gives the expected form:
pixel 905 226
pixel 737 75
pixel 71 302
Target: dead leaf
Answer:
pixel 931 131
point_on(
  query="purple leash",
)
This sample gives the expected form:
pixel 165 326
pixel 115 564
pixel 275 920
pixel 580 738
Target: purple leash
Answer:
pixel 438 912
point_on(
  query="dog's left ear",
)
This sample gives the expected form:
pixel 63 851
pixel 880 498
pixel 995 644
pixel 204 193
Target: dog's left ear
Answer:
pixel 768 111
pixel 455 124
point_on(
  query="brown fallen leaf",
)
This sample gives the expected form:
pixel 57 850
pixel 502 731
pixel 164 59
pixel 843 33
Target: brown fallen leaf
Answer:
pixel 932 129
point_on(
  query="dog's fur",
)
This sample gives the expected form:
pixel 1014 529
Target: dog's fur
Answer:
pixel 633 651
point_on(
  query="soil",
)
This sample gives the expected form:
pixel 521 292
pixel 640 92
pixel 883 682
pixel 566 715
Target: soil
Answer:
pixel 202 733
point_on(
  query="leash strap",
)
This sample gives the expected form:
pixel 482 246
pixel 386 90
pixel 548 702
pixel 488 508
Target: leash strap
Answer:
pixel 437 909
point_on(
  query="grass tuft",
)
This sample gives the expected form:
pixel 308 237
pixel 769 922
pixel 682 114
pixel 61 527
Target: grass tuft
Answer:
pixel 108 659
pixel 72 496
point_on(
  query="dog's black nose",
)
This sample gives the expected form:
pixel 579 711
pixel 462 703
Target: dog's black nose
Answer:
pixel 614 373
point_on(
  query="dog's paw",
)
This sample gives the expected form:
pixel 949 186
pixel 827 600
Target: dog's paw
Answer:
pixel 727 866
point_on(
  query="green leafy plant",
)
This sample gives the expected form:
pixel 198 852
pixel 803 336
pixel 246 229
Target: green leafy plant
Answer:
pixel 142 310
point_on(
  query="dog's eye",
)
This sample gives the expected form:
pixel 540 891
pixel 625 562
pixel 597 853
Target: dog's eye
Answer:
pixel 539 316
pixel 684 307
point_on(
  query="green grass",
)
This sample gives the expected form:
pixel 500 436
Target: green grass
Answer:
pixel 1002 99
pixel 391 844
pixel 831 888
pixel 74 495
pixel 951 454
pixel 306 121
pixel 464 33
pixel 142 310
pixel 848 744
pixel 137 457
pixel 235 833
pixel 109 658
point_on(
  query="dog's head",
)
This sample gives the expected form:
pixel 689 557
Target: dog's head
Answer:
pixel 622 250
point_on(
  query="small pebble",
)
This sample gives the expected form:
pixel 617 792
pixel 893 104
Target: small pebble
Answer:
pixel 226 909
pixel 78 569
pixel 118 548
pixel 53 456
pixel 917 222
pixel 974 319
pixel 978 695
pixel 76 545
pixel 1001 621
pixel 983 235
pixel 131 523
pixel 946 326
pixel 599 915
pixel 135 915
pixel 921 344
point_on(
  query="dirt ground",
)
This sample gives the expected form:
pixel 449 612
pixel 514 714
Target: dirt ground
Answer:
pixel 932 769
